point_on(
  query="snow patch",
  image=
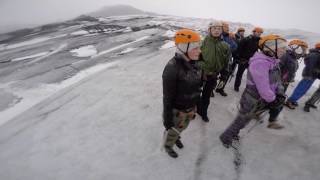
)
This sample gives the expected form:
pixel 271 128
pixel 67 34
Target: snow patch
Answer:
pixel 31 97
pixel 30 57
pixel 167 45
pixel 156 23
pixel 84 51
pixel 79 33
pixel 119 47
pixel 29 42
pixel 169 34
pixel 127 50
pixel 62 46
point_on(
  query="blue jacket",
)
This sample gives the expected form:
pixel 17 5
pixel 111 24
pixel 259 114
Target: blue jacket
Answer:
pixel 233 45
pixel 312 62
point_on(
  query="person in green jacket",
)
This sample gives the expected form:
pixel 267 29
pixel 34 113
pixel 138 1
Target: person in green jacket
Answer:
pixel 216 55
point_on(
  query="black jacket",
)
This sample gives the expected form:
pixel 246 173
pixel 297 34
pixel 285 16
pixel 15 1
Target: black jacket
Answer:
pixel 181 85
pixel 289 66
pixel 312 64
pixel 247 47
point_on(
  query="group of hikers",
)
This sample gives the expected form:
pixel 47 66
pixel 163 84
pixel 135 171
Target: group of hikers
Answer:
pixel 200 67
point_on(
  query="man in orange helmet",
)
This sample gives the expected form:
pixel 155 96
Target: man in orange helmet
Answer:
pixel 264 90
pixel 181 88
pixel 247 47
pixel 289 61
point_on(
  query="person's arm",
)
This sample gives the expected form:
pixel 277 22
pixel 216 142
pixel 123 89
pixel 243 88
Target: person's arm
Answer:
pixel 169 93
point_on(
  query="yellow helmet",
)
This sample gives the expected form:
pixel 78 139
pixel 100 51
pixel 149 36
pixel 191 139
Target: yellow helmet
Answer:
pixel 186 36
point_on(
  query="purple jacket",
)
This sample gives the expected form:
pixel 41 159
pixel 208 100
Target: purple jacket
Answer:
pixel 264 74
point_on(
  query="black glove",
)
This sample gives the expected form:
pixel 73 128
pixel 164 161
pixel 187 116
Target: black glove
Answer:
pixel 278 102
pixel 168 119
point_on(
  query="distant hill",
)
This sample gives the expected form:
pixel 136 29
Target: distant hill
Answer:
pixel 117 10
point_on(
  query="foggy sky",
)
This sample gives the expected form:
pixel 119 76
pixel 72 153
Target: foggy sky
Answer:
pixel 268 13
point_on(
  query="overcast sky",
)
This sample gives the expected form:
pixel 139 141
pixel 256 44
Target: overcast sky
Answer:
pixel 299 14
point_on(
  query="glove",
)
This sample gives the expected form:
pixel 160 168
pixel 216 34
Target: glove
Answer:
pixel 278 102
pixel 168 120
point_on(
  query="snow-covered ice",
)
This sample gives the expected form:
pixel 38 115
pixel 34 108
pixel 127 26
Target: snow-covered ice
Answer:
pixel 79 33
pixel 30 56
pixel 167 45
pixel 84 51
pixel 101 119
pixel 127 50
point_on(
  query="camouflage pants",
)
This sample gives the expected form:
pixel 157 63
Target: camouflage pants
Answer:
pixel 181 121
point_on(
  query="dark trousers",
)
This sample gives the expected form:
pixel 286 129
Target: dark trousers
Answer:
pixel 314 98
pixel 241 68
pixel 204 102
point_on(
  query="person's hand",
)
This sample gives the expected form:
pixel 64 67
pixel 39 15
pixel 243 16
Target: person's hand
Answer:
pixel 278 102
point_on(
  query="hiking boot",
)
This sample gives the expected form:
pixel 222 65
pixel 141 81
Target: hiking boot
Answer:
pixel 236 137
pixel 306 108
pixel 236 89
pixel 225 141
pixel 179 144
pixel 221 92
pixel 205 118
pixel 312 106
pixel 275 125
pixel 290 104
pixel 171 152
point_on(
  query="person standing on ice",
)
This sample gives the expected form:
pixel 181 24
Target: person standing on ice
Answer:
pixel 233 47
pixel 240 34
pixel 289 61
pixel 181 88
pixel 215 59
pixel 263 90
pixel 246 49
pixel 310 73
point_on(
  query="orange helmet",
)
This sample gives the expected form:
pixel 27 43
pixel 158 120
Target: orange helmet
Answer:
pixel 298 42
pixel 186 36
pixel 272 37
pixel 317 46
pixel 241 29
pixel 258 30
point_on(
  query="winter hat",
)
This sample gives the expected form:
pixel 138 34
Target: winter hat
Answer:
pixel 215 24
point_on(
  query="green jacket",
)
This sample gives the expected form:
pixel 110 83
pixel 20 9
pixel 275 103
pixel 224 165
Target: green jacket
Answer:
pixel 216 55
